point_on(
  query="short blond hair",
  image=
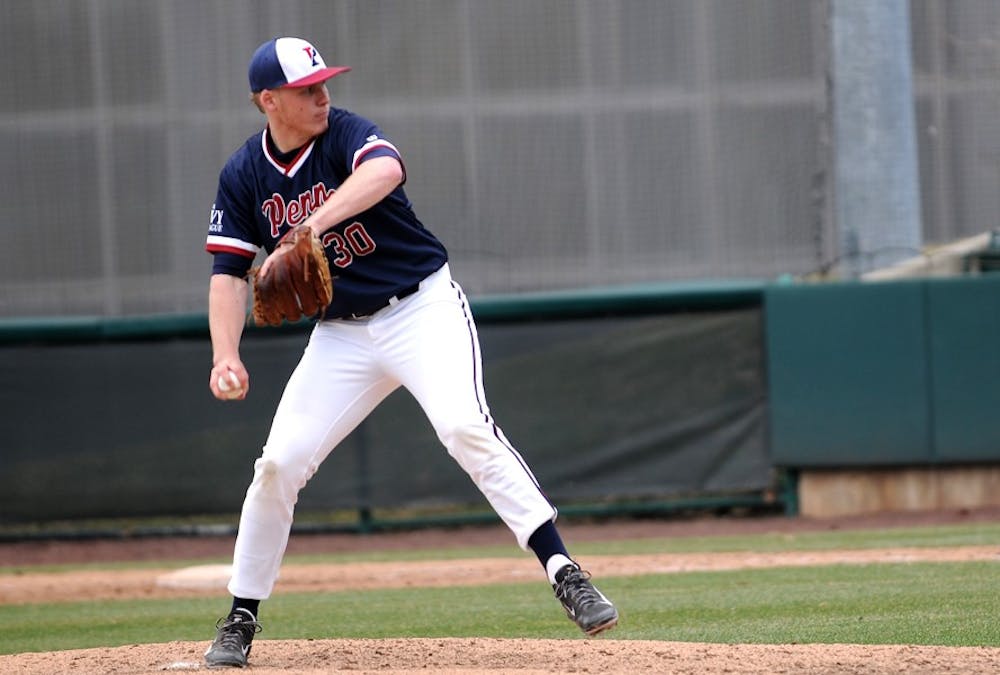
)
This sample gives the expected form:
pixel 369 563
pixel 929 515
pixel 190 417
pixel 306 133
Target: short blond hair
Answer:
pixel 255 99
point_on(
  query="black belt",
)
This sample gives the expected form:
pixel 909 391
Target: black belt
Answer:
pixel 405 293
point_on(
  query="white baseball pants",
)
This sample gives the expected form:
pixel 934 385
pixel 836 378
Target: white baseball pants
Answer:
pixel 426 342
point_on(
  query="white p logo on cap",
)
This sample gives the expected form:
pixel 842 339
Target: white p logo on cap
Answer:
pixel 288 62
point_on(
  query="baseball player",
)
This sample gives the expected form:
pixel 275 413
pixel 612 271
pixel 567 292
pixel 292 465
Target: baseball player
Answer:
pixel 396 318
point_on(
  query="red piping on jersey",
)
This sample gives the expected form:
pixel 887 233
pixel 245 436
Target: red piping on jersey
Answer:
pixel 217 248
pixel 285 167
pixel 295 160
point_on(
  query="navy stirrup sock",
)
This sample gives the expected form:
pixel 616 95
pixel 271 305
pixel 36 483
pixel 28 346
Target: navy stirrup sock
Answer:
pixel 246 603
pixel 546 542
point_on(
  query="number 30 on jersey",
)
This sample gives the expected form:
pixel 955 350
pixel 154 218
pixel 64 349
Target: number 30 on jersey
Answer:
pixel 354 242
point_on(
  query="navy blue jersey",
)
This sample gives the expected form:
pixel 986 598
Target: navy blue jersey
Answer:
pixel 373 256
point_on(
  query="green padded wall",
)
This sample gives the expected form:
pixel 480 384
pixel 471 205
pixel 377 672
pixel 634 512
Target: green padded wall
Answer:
pixel 887 373
pixel 848 374
pixel 965 356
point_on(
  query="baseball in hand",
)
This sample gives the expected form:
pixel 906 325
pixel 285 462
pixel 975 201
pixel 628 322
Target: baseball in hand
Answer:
pixel 229 385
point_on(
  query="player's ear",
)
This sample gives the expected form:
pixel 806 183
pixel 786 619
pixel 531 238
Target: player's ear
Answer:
pixel 265 100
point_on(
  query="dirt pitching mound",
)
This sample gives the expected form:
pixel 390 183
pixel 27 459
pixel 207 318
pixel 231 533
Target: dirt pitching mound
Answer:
pixel 521 657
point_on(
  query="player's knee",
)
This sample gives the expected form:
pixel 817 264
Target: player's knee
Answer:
pixel 465 438
pixel 268 470
pixel 274 479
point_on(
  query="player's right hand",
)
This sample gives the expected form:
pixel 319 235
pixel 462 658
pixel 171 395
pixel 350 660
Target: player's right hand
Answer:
pixel 229 381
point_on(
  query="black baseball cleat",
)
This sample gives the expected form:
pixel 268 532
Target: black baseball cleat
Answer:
pixel 584 604
pixel 232 642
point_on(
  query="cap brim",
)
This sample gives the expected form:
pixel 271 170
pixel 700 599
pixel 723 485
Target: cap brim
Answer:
pixel 319 76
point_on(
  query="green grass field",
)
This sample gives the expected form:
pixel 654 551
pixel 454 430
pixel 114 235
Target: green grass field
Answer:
pixel 949 604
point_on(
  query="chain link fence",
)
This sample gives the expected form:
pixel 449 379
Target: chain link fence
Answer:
pixel 550 145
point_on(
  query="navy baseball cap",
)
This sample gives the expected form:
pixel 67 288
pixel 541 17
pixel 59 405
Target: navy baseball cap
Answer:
pixel 288 62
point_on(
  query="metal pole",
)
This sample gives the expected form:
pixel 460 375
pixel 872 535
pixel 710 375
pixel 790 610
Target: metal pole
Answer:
pixel 877 186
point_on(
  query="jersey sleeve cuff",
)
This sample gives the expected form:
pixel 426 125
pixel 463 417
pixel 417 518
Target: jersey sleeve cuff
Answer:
pixel 231 264
pixel 378 148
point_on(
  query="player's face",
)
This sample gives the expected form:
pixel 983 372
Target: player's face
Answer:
pixel 303 109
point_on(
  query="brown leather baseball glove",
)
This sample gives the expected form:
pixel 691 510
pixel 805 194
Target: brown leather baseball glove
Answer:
pixel 297 283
